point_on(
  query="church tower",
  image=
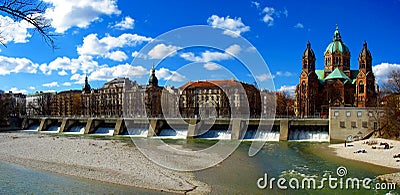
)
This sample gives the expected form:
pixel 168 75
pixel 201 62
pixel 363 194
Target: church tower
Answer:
pixel 307 91
pixel 365 88
pixel 308 61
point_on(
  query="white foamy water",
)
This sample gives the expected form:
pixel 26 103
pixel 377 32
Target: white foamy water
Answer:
pixel 52 129
pixel 308 135
pixel 104 131
pixel 216 135
pixel 77 129
pixel 261 135
pixel 137 132
pixel 173 134
pixel 33 128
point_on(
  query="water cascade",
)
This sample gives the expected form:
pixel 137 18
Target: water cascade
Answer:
pixel 308 135
pixel 53 129
pixel 34 127
pixel 264 135
pixel 173 133
pixel 216 134
pixel 136 132
pixel 103 130
pixel 76 129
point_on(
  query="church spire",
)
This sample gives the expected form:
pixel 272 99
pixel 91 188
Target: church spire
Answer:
pixel 153 81
pixel 308 61
pixel 336 36
pixel 86 87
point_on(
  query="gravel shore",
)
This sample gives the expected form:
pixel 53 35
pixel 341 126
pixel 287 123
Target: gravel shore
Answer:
pixel 374 154
pixel 110 161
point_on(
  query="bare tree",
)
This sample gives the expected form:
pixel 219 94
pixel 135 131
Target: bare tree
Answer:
pixel 391 106
pixel 31 11
pixel 284 104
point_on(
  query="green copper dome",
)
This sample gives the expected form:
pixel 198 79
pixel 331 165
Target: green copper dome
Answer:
pixel 337 43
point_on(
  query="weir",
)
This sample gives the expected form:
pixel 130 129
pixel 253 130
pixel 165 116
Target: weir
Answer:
pixel 214 128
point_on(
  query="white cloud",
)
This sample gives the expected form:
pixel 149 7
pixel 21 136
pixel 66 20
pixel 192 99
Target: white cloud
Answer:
pixel 264 77
pixel 161 51
pixel 136 54
pixel 234 26
pixel 79 79
pixel 52 84
pixel 299 25
pixel 67 84
pixel 269 12
pixel 255 3
pixel 382 71
pixel 32 88
pixel 16 90
pixel 12 31
pixel 63 73
pixel 209 56
pixel 85 64
pixel 123 70
pixel 166 74
pixel 118 56
pixel 104 47
pixel 288 89
pixel 286 74
pixel 16 65
pixel 65 14
pixel 126 23
pixel 211 66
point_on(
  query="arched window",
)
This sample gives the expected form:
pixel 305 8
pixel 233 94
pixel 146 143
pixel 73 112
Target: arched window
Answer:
pixel 361 87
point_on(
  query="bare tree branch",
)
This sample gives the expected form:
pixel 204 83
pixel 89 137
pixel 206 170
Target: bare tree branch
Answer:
pixel 31 11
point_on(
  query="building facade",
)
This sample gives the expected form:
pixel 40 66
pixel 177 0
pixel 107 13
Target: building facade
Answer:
pixel 219 99
pixel 336 85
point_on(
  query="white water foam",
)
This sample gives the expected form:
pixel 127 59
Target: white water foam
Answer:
pixel 308 135
pixel 78 129
pixel 261 135
pixel 173 134
pixel 52 129
pixel 33 128
pixel 137 132
pixel 216 135
pixel 104 131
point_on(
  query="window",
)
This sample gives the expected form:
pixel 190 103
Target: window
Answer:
pixel 361 87
pixel 353 124
pixel 342 124
pixel 348 113
pixel 336 113
pixel 359 114
pixel 370 114
pixel 365 124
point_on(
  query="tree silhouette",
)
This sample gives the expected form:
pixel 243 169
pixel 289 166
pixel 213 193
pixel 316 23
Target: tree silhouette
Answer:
pixel 31 11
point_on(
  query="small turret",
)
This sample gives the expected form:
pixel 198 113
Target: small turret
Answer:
pixel 153 81
pixel 86 87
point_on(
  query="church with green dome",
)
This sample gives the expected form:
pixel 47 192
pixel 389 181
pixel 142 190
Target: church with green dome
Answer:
pixel 336 85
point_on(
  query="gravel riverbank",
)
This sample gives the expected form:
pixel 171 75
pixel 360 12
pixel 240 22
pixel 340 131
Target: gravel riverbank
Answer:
pixel 110 161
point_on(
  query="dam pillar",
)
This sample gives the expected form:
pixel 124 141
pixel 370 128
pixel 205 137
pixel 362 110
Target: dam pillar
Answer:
pixel 92 125
pixel 284 130
pixel 119 126
pixel 44 124
pixel 152 128
pixel 192 128
pixel 236 129
pixel 66 124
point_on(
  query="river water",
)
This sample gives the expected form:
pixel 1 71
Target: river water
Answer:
pixel 236 175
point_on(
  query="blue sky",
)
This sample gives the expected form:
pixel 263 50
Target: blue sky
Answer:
pixel 104 38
